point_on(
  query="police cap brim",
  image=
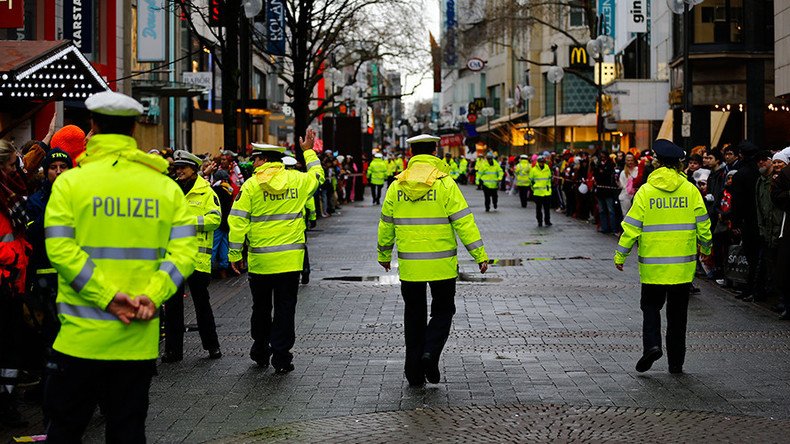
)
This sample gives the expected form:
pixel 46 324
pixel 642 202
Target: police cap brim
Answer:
pixel 261 148
pixel 423 138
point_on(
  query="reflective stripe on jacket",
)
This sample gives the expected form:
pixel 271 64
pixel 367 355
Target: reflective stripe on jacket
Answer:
pixel 489 175
pixel 377 171
pixel 668 218
pixel 522 173
pixel 422 213
pixel 203 205
pixel 269 214
pixel 541 180
pixel 116 224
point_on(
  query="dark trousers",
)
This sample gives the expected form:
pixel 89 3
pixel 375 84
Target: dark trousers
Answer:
pixel 677 299
pixel 174 315
pixel 375 192
pixel 306 262
pixel 274 334
pixel 543 209
pixel 523 194
pixel 490 195
pixel 74 388
pixel 751 249
pixel 421 337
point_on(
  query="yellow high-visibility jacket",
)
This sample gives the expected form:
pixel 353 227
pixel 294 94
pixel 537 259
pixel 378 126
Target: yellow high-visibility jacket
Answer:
pixel 541 180
pixel 489 174
pixel 269 214
pixel 522 173
pixel 668 218
pixel 422 213
pixel 203 205
pixel 377 171
pixel 116 224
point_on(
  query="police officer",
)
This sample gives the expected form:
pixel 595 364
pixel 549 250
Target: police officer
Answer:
pixel 540 177
pixel 377 174
pixel 489 173
pixel 522 179
pixel 463 172
pixel 204 207
pixel 669 220
pixel 448 159
pixel 119 234
pixel 422 213
pixel 268 213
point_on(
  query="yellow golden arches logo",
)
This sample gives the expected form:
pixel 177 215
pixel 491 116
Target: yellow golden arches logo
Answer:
pixel 578 56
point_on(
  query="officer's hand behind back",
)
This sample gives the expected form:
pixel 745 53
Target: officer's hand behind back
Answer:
pixel 483 267
pixel 123 307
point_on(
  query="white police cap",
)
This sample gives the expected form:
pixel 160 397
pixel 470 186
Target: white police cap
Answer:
pixel 265 147
pixel 378 156
pixel 185 158
pixel 289 161
pixel 423 138
pixel 111 103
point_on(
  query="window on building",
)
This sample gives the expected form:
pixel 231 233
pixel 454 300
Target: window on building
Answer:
pixel 577 18
pixel 549 96
pixel 494 97
pixel 718 21
pixel 578 95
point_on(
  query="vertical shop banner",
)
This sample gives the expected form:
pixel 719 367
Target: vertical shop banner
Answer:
pixel 606 10
pixel 12 14
pixel 151 31
pixel 78 23
pixel 636 16
pixel 275 27
pixel 449 37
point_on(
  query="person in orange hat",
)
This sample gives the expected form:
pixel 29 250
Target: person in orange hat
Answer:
pixel 70 139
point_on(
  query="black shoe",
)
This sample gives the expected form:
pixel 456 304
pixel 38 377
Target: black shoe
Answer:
pixel 785 316
pixel 214 353
pixel 170 357
pixel 676 369
pixel 282 369
pixel 743 294
pixel 431 368
pixel 693 289
pixel 305 278
pixel 487 210
pixel 540 224
pixel 261 360
pixel 647 360
pixel 10 416
pixel 548 224
pixel 495 206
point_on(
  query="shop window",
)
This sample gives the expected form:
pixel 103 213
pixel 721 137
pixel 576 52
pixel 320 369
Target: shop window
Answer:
pixel 577 18
pixel 718 21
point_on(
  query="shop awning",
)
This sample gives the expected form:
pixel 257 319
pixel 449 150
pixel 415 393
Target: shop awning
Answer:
pixel 44 71
pixel 165 88
pixel 718 120
pixel 565 120
pixel 498 122
pixel 666 127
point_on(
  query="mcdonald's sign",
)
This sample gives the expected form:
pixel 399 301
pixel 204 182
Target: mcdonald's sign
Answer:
pixel 578 57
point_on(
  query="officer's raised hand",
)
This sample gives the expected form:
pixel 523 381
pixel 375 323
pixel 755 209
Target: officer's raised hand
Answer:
pixel 386 265
pixel 483 267
pixel 123 307
pixel 309 139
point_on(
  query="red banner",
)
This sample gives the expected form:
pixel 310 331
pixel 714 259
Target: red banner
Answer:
pixel 12 14
pixel 451 140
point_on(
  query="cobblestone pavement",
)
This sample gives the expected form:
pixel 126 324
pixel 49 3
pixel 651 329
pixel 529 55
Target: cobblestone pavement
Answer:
pixel 543 349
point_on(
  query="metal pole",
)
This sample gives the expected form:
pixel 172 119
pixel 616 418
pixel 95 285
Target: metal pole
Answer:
pixel 245 79
pixel 687 87
pixel 599 120
pixel 555 117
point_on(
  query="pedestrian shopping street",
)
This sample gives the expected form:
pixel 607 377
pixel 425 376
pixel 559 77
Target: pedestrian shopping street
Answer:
pixel 542 348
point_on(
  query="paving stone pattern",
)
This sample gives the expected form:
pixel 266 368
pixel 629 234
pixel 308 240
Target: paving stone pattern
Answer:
pixel 553 340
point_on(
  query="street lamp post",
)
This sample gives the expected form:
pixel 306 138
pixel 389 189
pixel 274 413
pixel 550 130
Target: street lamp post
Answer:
pixel 597 47
pixel 554 75
pixel 488 112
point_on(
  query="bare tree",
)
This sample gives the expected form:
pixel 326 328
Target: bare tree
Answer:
pixel 347 35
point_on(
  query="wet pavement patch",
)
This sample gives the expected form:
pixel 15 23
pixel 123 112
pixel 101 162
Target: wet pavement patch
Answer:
pixel 383 280
pixel 532 243
pixel 506 262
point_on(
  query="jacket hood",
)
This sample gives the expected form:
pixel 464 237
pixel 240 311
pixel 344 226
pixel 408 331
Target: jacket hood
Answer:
pixel 666 179
pixel 422 172
pixel 102 145
pixel 272 177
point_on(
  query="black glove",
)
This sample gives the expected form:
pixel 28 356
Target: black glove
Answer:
pixel 312 224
